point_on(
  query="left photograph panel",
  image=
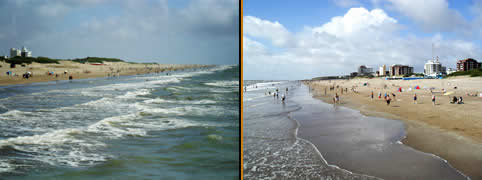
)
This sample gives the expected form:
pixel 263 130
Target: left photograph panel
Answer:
pixel 120 89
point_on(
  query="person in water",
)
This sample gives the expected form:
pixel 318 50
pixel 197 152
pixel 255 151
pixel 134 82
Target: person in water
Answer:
pixel 283 97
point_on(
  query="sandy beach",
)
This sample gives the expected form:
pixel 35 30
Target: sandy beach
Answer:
pixel 80 71
pixel 451 131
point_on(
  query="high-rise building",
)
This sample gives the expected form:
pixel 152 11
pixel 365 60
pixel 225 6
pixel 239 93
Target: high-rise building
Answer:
pixel 14 52
pixel 26 52
pixel 433 68
pixel 467 64
pixel 364 70
pixel 399 70
pixel 382 70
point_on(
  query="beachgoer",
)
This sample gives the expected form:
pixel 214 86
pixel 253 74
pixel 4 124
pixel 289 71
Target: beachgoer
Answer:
pixel 388 100
pixel 460 100
pixel 286 89
pixel 283 97
pixel 337 98
pixel 433 100
pixel 371 96
pixel 394 96
pixel 70 77
pixel 245 89
pixel 415 98
pixel 454 100
pixel 379 95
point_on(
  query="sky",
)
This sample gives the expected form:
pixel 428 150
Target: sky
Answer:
pixel 163 31
pixel 288 40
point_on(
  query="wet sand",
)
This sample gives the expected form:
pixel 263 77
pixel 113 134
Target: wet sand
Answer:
pixel 81 71
pixel 451 131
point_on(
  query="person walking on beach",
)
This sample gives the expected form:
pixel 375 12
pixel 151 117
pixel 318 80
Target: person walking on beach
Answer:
pixel 337 98
pixel 388 99
pixel 379 95
pixel 283 98
pixel 371 96
pixel 415 98
pixel 394 96
pixel 433 100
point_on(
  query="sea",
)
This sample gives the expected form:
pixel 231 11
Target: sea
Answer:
pixel 181 125
pixel 306 138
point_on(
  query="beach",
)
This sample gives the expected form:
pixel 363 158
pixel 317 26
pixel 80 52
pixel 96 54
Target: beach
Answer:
pixel 81 71
pixel 306 138
pixel 451 131
pixel 182 125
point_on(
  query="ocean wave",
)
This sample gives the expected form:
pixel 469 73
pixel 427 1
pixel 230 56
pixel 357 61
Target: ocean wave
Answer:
pixel 224 83
pixel 161 101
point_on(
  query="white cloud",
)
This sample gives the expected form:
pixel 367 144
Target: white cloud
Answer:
pixel 357 20
pixel 273 31
pixel 339 46
pixel 432 15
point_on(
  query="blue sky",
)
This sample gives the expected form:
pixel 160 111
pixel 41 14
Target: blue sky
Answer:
pixel 163 31
pixel 303 39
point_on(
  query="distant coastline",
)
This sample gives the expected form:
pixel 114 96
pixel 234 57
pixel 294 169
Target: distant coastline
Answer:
pixel 44 69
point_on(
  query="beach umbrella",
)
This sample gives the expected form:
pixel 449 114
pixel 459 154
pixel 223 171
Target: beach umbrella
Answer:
pixel 417 87
pixel 449 93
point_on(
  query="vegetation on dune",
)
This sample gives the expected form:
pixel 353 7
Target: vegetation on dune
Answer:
pixel 46 60
pixel 29 60
pixel 471 73
pixel 97 60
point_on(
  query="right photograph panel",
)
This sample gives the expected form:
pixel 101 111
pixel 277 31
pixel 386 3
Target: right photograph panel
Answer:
pixel 362 89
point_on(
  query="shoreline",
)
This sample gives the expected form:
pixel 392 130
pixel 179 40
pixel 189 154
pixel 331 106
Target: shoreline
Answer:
pixel 83 71
pixel 427 133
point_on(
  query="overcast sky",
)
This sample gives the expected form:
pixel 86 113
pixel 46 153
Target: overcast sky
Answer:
pixel 164 31
pixel 294 40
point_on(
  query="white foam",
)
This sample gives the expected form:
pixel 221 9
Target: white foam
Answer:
pixel 161 101
pixel 224 83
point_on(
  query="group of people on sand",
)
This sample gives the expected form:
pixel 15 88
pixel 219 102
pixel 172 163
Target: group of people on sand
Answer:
pixel 276 94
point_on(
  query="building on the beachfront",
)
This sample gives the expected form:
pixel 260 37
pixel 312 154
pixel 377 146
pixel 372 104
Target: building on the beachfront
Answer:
pixel 400 70
pixel 364 70
pixel 382 70
pixel 26 52
pixel 467 64
pixel 353 74
pixel 14 52
pixel 449 71
pixel 17 52
pixel 433 68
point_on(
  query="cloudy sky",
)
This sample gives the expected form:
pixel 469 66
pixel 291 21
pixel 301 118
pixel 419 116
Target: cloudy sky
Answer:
pixel 294 40
pixel 164 31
